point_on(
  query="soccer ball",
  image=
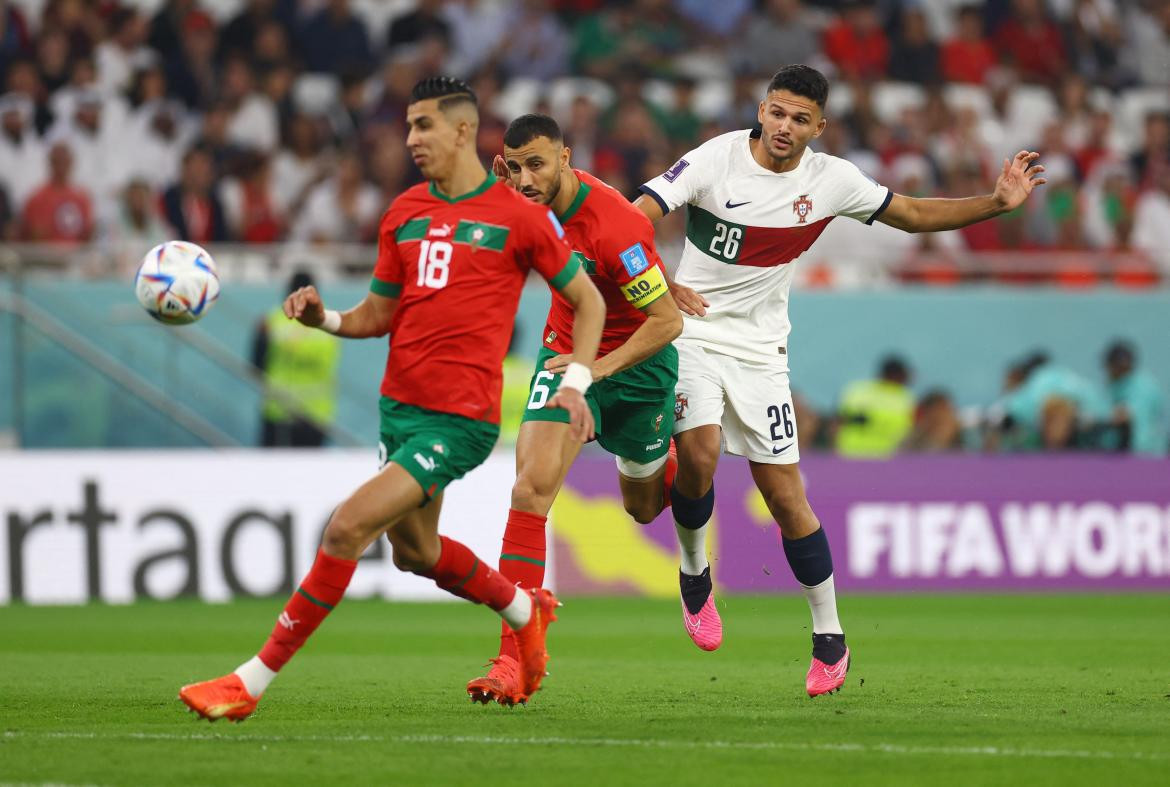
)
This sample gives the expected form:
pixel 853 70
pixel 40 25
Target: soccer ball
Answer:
pixel 177 282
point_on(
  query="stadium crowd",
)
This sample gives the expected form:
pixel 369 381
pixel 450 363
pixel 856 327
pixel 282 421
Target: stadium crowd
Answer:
pixel 282 120
pixel 1044 406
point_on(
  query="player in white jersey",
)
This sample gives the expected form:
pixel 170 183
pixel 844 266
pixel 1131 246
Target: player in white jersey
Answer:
pixel 756 201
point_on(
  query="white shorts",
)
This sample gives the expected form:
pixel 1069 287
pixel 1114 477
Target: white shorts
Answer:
pixel 750 400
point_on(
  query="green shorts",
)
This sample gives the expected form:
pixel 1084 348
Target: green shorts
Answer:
pixel 435 448
pixel 633 410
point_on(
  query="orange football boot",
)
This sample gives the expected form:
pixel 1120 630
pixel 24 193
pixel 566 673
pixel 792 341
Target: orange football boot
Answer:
pixel 221 698
pixel 530 642
pixel 500 684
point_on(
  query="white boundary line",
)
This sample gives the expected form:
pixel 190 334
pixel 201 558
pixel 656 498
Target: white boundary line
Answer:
pixel 637 743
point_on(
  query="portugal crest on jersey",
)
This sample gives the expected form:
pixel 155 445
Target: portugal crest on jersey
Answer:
pixel 802 207
pixel 680 406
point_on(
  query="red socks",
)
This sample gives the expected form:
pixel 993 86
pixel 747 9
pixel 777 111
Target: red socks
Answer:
pixel 460 572
pixel 319 592
pixel 522 560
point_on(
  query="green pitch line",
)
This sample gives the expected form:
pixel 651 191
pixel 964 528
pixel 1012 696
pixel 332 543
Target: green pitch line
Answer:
pixel 1003 689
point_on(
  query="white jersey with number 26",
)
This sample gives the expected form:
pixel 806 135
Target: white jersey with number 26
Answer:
pixel 746 226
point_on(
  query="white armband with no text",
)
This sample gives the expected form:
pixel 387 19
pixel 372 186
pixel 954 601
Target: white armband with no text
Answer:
pixel 578 377
pixel 332 321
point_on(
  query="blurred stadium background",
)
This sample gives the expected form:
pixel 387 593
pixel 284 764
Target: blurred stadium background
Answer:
pixel 982 410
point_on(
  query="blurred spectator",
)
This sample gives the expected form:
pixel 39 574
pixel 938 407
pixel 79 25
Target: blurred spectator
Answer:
pixel 537 44
pixel 53 59
pixel 914 57
pixel 300 372
pixel 780 33
pixel 1151 221
pixel 334 39
pixel 1149 38
pixel 1153 157
pixel 15 40
pixel 24 79
pixel 9 226
pixel 252 210
pixel 342 209
pixel 1109 200
pixel 1096 42
pixel 22 155
pixel 190 65
pixel 240 34
pixel 856 43
pixel 969 55
pixel 192 206
pixel 118 55
pixel 1139 404
pixel 134 224
pixel 875 416
pixel 95 132
pixel 582 132
pixel 721 19
pixel 1049 407
pixel 60 211
pixel 937 427
pixel 168 27
pixel 1032 43
pixel 634 31
pixel 213 137
pixel 303 162
pixel 159 131
pixel 254 123
pixel 426 20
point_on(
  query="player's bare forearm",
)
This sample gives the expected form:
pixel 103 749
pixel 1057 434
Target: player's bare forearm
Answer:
pixel 663 324
pixel 650 207
pixel 588 317
pixel 370 318
pixel 913 214
pixel 1020 175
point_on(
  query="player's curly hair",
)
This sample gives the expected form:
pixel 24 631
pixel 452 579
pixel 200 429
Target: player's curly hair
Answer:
pixel 448 90
pixel 803 81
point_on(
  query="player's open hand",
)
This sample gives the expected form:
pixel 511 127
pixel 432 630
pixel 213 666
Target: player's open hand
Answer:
pixel 305 306
pixel 688 300
pixel 580 416
pixel 500 169
pixel 1019 176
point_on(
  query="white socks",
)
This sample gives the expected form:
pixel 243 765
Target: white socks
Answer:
pixel 519 612
pixel 693 546
pixel 255 676
pixel 822 602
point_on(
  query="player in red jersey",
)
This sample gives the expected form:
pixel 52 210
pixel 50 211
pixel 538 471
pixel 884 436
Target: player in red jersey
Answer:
pixel 633 393
pixel 453 257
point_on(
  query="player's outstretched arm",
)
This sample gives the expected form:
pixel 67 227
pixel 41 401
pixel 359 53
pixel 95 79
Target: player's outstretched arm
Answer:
pixel 371 317
pixel 1019 176
pixel 588 320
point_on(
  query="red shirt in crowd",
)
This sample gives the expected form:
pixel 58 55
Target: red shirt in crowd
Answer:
pixel 967 61
pixel 857 55
pixel 58 214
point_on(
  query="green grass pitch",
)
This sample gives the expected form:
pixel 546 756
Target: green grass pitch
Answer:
pixel 991 689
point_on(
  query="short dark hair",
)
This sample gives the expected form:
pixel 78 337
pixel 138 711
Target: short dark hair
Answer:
pixel 894 367
pixel 448 90
pixel 526 128
pixel 803 81
pixel 1120 351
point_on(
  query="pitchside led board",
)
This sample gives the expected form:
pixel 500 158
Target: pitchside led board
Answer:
pixel 121 526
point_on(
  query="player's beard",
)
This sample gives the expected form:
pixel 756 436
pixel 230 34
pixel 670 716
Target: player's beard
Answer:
pixel 553 190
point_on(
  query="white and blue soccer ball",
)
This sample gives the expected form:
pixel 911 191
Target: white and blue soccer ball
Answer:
pixel 177 282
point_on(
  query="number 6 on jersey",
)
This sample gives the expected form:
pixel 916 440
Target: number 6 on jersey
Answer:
pixel 434 257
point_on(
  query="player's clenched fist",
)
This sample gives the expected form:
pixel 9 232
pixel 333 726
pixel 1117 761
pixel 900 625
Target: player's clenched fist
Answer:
pixel 305 306
pixel 580 416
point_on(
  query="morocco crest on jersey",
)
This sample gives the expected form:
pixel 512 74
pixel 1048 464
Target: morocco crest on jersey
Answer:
pixel 802 206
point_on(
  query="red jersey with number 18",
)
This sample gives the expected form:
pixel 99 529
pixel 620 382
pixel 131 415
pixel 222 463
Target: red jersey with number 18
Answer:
pixel 458 266
pixel 615 242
